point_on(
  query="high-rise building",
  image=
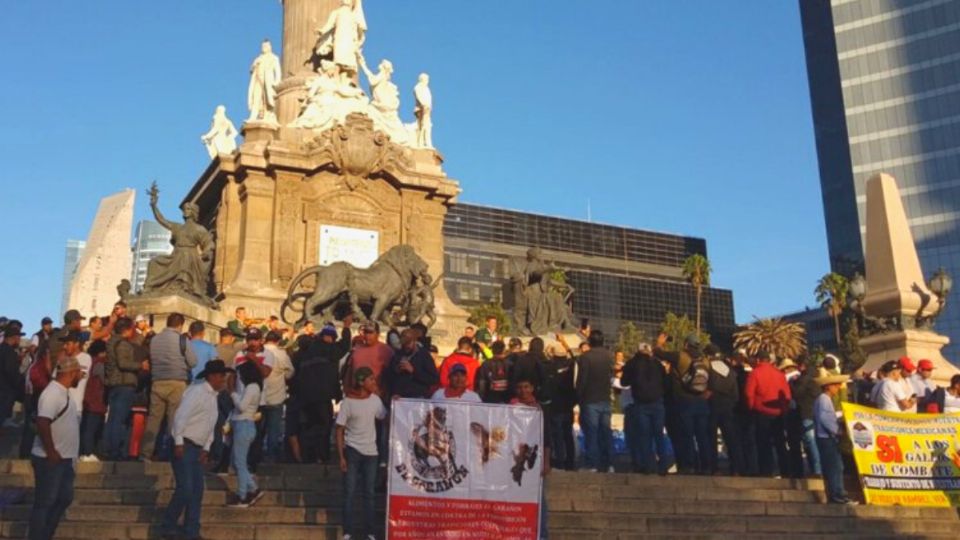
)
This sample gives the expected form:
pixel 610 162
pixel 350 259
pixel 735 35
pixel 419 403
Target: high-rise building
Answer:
pixel 619 274
pixel 885 90
pixel 74 252
pixel 151 240
pixel 106 259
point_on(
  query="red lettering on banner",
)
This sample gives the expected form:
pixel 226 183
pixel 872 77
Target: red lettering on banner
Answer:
pixel 454 519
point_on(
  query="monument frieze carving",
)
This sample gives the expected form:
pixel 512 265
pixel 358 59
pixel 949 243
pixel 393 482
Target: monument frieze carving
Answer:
pixel 357 150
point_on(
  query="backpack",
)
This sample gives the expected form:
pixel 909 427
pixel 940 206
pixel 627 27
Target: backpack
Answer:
pixel 696 378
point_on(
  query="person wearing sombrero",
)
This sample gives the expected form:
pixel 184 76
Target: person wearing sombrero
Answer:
pixel 827 427
pixel 192 431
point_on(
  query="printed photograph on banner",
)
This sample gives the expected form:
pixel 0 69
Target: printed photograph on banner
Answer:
pixel 461 470
pixel 906 459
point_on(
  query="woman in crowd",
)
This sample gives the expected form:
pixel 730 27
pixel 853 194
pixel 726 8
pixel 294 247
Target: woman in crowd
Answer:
pixel 246 401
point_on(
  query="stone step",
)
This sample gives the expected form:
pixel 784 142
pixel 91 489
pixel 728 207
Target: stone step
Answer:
pixel 211 514
pixel 144 531
pixel 736 524
pixel 581 534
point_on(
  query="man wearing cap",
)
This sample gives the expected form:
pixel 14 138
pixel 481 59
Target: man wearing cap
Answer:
pixel 11 383
pixel 55 449
pixel 373 354
pixel 144 332
pixel 923 385
pixel 357 447
pixel 457 389
pixel 171 359
pixel 192 430
pixel 828 430
pixel 254 351
pixel 768 397
pixel 464 355
pixel 893 395
pixel 314 388
pixel 42 336
pixel 72 322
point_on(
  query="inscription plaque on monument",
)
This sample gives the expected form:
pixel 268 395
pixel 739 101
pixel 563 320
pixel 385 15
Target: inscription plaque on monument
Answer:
pixel 359 247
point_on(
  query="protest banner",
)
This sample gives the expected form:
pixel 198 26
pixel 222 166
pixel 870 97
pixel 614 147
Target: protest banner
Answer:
pixel 464 470
pixel 906 459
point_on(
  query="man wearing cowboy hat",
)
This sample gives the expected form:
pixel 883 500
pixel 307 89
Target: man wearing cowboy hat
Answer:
pixel 56 448
pixel 192 431
pixel 828 426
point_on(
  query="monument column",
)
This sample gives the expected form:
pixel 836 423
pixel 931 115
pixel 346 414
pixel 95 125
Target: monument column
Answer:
pixel 256 201
pixel 301 18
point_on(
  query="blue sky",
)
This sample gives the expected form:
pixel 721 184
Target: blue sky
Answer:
pixel 685 117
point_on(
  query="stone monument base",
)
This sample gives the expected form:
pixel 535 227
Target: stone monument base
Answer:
pixel 915 344
pixel 158 308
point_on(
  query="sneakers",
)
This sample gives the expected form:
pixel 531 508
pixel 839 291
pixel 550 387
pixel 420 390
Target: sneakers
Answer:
pixel 12 424
pixel 90 458
pixel 347 537
pixel 252 498
pixel 248 501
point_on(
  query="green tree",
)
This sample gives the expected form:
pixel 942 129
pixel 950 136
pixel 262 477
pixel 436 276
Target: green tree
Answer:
pixel 677 328
pixel 629 338
pixel 696 268
pixel 831 293
pixel 479 314
pixel 783 339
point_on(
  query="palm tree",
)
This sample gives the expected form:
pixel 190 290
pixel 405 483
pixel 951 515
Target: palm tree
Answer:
pixel 831 293
pixel 696 268
pixel 783 339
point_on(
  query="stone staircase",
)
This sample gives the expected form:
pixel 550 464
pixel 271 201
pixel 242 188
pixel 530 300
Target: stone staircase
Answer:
pixel 126 500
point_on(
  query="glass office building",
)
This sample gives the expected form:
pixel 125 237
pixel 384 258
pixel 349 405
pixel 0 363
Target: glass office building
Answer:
pixel 72 256
pixel 619 274
pixel 885 90
pixel 150 241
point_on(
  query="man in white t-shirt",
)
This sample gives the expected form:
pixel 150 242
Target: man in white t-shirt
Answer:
pixel 55 450
pixel 275 394
pixel 457 389
pixel 893 396
pixel 357 445
pixel 254 351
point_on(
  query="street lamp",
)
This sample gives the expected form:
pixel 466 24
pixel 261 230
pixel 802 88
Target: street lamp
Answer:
pixel 858 287
pixel 940 284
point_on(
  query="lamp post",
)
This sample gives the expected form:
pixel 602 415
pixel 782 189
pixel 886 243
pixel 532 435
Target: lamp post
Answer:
pixel 940 284
pixel 858 288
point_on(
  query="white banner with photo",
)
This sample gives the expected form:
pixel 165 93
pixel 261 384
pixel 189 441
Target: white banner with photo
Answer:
pixel 464 470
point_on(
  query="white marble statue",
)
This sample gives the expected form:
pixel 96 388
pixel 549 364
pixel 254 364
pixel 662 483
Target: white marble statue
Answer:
pixel 424 111
pixel 385 105
pixel 222 137
pixel 265 75
pixel 343 36
pixel 328 100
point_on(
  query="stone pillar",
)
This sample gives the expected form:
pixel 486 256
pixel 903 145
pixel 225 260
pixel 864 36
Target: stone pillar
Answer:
pixel 301 18
pixel 256 239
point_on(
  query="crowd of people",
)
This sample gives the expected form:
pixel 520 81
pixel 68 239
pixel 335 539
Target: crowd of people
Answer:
pixel 112 388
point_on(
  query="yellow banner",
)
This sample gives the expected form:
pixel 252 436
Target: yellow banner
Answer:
pixel 906 459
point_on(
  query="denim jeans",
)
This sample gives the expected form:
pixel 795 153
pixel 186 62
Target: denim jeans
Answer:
pixel 359 468
pixel 563 453
pixel 810 446
pixel 91 427
pixel 273 425
pixel 832 463
pixel 648 421
pixel 52 496
pixel 188 495
pixel 244 433
pixel 117 434
pixel 597 437
pixel 694 450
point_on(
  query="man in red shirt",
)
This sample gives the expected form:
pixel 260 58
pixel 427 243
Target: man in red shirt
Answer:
pixel 372 354
pixel 768 398
pixel 463 355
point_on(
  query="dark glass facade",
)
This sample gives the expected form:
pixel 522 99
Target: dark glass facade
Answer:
pixel 885 90
pixel 619 274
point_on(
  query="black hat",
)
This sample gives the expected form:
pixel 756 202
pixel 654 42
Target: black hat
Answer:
pixel 254 333
pixel 213 367
pixel 73 315
pixel 11 331
pixel 45 321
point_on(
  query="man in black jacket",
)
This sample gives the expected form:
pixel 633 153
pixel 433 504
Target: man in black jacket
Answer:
pixel 411 372
pixel 11 383
pixel 724 397
pixel 314 388
pixel 646 378
pixel 593 392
